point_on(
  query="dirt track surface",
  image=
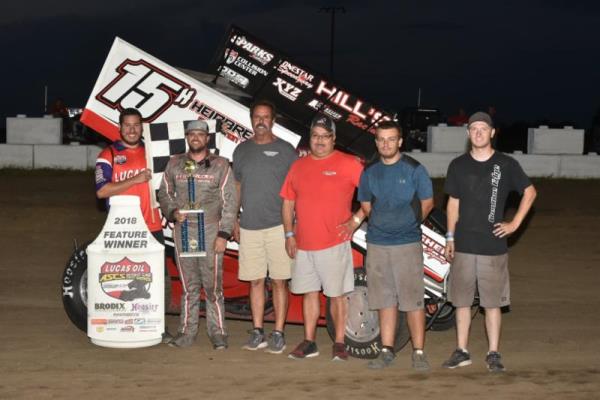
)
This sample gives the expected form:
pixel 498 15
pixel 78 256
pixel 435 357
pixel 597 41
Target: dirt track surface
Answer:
pixel 550 342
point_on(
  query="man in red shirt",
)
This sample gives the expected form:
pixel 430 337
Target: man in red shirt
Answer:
pixel 317 193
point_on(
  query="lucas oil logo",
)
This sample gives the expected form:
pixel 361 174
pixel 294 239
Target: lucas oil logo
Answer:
pixel 126 280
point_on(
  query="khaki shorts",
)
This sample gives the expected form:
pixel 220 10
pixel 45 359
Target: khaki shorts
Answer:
pixel 262 251
pixel 395 276
pixel 331 269
pixel 486 274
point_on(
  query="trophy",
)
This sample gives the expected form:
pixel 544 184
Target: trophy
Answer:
pixel 193 243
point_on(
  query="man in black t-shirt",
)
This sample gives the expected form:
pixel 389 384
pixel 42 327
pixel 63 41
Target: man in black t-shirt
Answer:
pixel 478 183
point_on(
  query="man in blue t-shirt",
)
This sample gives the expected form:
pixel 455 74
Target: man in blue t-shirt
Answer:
pixel 396 193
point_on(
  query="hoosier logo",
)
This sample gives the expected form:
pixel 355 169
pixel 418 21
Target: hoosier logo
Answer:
pixel 126 280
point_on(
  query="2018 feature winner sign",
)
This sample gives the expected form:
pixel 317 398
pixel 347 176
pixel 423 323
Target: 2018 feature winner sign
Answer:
pixel 125 280
pixel 298 92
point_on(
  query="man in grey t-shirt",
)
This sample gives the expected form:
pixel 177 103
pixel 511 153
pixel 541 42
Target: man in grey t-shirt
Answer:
pixel 260 166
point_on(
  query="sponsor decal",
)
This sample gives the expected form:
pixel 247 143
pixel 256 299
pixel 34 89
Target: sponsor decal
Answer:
pixel 361 115
pixel 154 320
pixel 433 250
pixel 234 77
pixel 256 52
pixel 144 308
pixel 128 328
pixel 99 321
pixel 99 329
pixel 139 321
pixel 318 105
pixel 115 321
pixel 126 280
pixel 120 159
pixel 124 175
pixel 270 153
pixel 145 87
pixel 496 176
pixel 99 175
pixel 232 57
pixel 147 329
pixel 299 75
pixel 234 131
pixel 109 307
pixel 329 173
pixel 286 89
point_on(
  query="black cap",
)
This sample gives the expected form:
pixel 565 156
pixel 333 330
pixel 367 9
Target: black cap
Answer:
pixel 323 121
pixel 481 116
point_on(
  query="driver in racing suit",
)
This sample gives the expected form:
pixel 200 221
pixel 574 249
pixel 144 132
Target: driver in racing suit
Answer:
pixel 216 194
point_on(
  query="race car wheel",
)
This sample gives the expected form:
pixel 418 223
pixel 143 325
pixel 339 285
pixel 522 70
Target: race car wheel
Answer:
pixel 362 326
pixel 74 288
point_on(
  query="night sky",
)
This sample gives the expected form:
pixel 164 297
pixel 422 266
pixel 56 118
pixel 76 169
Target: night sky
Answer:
pixel 532 60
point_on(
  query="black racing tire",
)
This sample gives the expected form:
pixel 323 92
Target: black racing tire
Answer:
pixel 74 288
pixel 445 320
pixel 362 336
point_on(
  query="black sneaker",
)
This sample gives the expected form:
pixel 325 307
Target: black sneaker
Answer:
pixel 494 362
pixel 306 349
pixel 460 358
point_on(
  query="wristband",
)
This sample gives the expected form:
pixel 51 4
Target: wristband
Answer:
pixel 356 219
pixel 450 239
pixel 289 234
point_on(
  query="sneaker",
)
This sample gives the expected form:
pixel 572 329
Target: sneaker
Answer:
pixel 166 337
pixel 219 342
pixel 460 358
pixel 306 349
pixel 339 352
pixel 182 340
pixel 419 361
pixel 256 340
pixel 276 343
pixel 383 360
pixel 494 362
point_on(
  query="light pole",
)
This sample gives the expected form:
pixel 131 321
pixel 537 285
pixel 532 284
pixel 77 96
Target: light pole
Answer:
pixel 332 11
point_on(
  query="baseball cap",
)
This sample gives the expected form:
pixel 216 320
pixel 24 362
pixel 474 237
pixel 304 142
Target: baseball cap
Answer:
pixel 323 121
pixel 481 116
pixel 197 125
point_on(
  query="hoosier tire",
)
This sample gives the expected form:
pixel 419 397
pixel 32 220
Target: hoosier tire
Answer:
pixel 74 288
pixel 362 337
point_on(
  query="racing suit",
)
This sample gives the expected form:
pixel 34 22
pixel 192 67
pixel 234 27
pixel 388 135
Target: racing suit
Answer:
pixel 216 194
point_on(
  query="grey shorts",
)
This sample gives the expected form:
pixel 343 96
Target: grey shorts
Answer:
pixel 395 276
pixel 487 275
pixel 331 269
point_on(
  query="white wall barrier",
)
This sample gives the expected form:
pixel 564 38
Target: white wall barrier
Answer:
pixel 543 140
pixel 78 157
pixel 446 139
pixel 23 130
pixel 16 156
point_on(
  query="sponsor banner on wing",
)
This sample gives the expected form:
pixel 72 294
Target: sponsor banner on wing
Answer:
pixel 132 78
pixel 298 91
